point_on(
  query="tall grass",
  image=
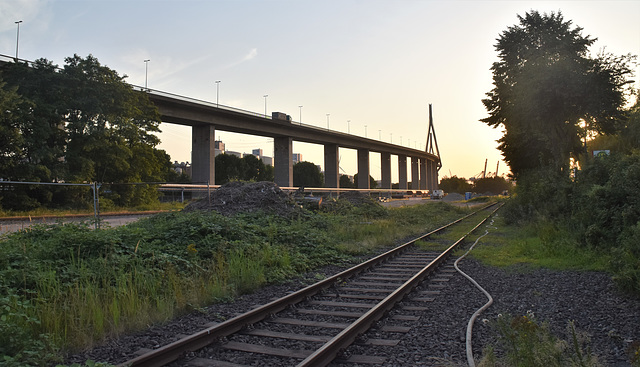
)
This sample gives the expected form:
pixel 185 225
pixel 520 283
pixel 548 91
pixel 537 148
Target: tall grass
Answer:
pixel 540 244
pixel 68 287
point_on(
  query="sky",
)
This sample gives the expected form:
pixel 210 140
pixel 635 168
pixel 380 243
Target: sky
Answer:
pixel 367 67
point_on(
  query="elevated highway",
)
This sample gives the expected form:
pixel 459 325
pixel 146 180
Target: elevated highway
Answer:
pixel 206 117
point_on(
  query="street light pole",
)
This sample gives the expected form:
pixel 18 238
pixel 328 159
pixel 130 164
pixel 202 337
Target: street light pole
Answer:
pixel 379 134
pixel 17 38
pixel 265 105
pixel 300 115
pixel 365 131
pixel 217 93
pixel 327 121
pixel 348 126
pixel 146 73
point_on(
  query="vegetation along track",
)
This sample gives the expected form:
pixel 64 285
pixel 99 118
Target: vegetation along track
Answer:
pixel 312 326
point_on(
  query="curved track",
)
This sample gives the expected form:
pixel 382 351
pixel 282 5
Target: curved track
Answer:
pixel 311 327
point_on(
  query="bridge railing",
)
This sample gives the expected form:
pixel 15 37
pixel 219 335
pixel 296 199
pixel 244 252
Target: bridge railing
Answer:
pixel 227 108
pixel 7 59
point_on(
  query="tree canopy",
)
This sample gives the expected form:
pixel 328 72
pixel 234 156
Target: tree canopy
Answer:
pixel 550 95
pixel 455 184
pixel 307 174
pixel 229 167
pixel 79 123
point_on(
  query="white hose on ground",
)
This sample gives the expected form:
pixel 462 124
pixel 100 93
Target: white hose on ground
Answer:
pixel 470 360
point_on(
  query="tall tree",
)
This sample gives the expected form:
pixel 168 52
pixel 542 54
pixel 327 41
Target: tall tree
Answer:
pixel 372 182
pixel 345 182
pixel 83 123
pixel 454 184
pixel 228 168
pixel 307 174
pixel 549 94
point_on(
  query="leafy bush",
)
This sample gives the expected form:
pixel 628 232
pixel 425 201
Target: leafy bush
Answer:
pixel 541 193
pixel 599 209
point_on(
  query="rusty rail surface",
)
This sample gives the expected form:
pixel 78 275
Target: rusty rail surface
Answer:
pixel 326 353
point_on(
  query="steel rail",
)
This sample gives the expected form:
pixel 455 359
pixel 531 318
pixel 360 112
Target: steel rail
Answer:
pixel 327 353
pixel 172 351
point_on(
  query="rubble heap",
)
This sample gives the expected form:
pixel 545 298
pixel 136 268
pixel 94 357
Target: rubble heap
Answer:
pixel 246 197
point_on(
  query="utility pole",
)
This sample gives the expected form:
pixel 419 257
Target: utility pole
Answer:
pixel 497 165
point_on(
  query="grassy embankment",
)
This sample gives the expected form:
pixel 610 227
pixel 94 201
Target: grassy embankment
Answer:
pixel 68 287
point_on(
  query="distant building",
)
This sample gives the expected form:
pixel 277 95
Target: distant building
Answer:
pixel 182 168
pixel 219 147
pixel 237 154
pixel 267 161
pixel 296 158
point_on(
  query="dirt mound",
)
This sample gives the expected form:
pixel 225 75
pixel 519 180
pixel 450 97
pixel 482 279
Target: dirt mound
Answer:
pixel 241 197
pixel 357 198
pixel 454 196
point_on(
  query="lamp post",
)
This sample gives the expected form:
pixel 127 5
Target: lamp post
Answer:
pixel 391 138
pixel 17 38
pixel 300 114
pixel 327 121
pixel 146 73
pixel 365 131
pixel 348 126
pixel 217 93
pixel 379 134
pixel 265 105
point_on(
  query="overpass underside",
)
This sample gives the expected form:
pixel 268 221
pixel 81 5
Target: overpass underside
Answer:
pixel 204 118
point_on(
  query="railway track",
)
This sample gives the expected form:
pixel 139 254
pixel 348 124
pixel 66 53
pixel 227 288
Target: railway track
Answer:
pixel 313 326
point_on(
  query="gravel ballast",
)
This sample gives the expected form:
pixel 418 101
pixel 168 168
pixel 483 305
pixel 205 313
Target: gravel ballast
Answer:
pixel 590 299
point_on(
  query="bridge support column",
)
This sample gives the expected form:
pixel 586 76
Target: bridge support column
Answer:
pixel 331 166
pixel 203 154
pixel 415 175
pixel 434 175
pixel 385 163
pixel 283 161
pixel 430 175
pixel 423 174
pixel 363 169
pixel 402 172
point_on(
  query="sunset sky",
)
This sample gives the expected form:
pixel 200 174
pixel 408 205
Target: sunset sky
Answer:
pixel 377 64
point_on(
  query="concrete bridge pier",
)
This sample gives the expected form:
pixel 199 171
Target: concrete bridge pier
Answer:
pixel 423 174
pixel 283 161
pixel 434 175
pixel 203 154
pixel 415 174
pixel 402 172
pixel 331 166
pixel 430 178
pixel 363 169
pixel 385 163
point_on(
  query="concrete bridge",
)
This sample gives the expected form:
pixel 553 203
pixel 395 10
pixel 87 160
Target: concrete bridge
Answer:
pixel 205 117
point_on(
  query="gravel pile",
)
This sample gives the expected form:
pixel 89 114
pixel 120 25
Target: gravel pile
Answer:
pixel 454 196
pixel 438 338
pixel 242 197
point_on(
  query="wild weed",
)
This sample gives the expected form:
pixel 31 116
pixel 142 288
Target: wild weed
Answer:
pixel 525 342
